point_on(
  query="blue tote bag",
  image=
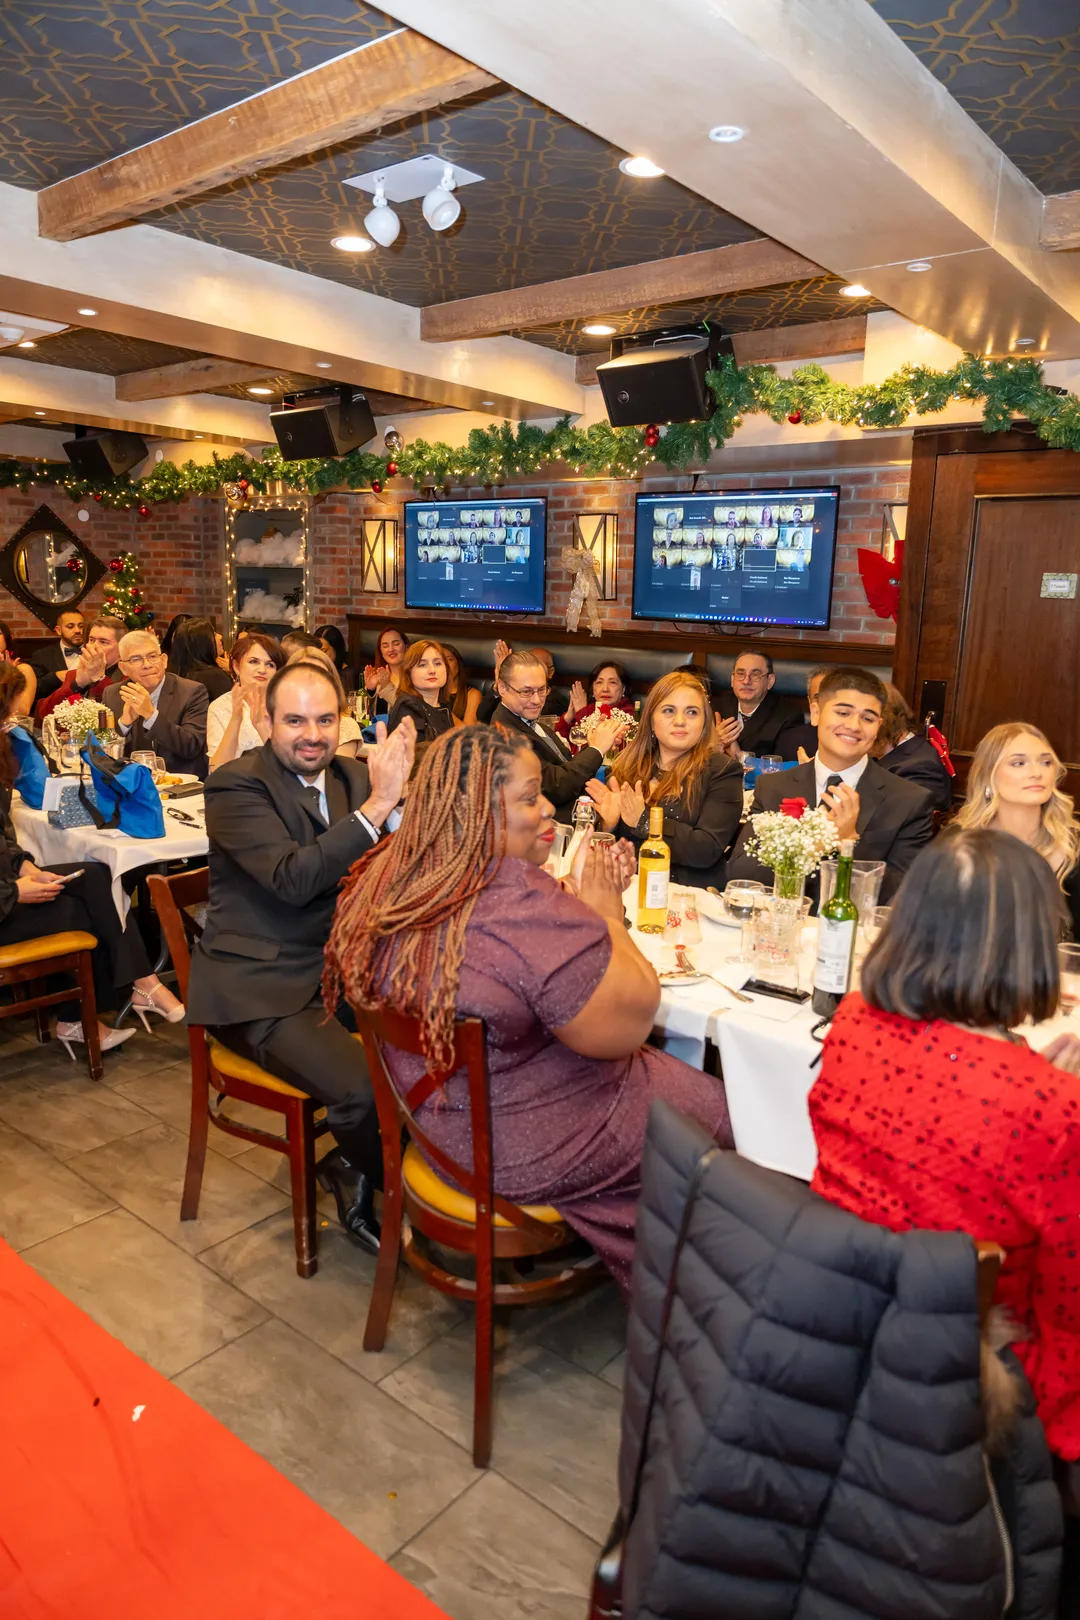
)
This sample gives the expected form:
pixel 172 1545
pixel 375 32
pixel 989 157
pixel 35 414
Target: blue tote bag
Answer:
pixel 126 795
pixel 33 769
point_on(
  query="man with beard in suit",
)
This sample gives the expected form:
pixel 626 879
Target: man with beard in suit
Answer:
pixel 522 685
pixel 286 822
pixel 888 817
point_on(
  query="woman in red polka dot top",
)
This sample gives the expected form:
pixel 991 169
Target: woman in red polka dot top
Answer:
pixel 929 1112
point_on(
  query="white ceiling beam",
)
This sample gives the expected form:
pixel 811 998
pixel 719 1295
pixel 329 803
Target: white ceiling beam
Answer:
pixel 853 154
pixel 149 283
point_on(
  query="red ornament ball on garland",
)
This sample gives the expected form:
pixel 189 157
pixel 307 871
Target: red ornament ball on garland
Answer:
pixel 652 436
pixel 391 469
pixel 116 564
pixel 795 417
pixel 144 511
pixel 97 497
pixel 74 564
pixel 243 485
pixel 376 486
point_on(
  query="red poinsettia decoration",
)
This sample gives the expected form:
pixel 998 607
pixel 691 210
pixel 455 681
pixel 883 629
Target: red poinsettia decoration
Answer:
pixel 795 808
pixel 881 580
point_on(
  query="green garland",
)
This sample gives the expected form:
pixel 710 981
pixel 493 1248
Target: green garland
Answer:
pixel 505 454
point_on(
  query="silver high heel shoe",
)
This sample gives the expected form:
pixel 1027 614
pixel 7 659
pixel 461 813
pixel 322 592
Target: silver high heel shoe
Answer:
pixel 67 1034
pixel 142 1003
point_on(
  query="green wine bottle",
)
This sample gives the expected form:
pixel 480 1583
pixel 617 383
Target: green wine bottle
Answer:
pixel 837 923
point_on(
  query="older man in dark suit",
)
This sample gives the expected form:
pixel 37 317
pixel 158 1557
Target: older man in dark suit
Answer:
pixel 753 715
pixel 888 817
pixel 156 710
pixel 522 685
pixel 286 822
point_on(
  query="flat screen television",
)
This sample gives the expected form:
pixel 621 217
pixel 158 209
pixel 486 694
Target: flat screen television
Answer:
pixel 487 555
pixel 745 556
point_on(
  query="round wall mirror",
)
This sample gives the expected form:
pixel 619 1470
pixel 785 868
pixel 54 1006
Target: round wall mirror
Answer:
pixel 50 567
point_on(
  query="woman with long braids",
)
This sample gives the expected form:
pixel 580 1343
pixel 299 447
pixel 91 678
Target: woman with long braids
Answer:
pixel 454 917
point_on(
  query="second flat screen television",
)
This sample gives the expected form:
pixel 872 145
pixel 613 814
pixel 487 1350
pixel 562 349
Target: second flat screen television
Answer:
pixel 487 555
pixel 748 556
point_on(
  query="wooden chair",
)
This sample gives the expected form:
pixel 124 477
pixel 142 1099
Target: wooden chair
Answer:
pixel 214 1067
pixel 31 962
pixel 476 1221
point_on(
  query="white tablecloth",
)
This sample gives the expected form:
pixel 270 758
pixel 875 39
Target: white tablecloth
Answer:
pixel 117 850
pixel 766 1051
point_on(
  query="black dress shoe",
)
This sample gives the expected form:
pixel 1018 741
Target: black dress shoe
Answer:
pixel 354 1194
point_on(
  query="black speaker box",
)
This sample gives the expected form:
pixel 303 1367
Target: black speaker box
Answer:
pixel 105 455
pixel 660 376
pixel 322 422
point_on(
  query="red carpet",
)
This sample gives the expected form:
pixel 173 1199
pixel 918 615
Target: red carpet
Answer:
pixel 170 1517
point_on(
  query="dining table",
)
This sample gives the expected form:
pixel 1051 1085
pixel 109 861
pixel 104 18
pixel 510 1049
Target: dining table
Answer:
pixel 769 1050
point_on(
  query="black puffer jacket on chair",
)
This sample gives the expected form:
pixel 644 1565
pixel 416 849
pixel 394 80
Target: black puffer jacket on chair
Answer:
pixel 815 1447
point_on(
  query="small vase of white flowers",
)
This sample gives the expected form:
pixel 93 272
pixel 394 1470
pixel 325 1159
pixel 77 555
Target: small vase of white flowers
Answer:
pixel 793 840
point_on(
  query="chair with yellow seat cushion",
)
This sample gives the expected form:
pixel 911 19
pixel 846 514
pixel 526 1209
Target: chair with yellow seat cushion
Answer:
pixel 31 961
pixel 214 1069
pixel 457 1208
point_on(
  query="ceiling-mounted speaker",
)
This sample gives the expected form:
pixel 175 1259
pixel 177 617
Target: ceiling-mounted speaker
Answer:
pixel 107 454
pixel 322 422
pixel 660 376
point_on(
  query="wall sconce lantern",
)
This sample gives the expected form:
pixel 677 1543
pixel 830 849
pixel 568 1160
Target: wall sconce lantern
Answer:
pixel 598 532
pixel 378 567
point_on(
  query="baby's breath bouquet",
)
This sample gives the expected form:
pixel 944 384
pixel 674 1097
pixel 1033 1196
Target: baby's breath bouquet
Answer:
pixel 81 717
pixel 604 711
pixel 793 840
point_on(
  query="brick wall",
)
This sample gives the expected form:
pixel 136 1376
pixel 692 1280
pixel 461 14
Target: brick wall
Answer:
pixel 181 547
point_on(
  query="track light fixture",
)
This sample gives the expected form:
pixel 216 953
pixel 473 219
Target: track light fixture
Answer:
pixel 441 207
pixel 382 224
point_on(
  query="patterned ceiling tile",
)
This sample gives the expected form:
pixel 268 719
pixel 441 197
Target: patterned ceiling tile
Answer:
pixel 106 352
pixel 381 404
pixel 81 80
pixel 1014 66
pixel 791 304
pixel 552 203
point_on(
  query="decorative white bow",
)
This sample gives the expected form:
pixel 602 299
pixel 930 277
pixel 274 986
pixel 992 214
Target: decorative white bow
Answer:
pixel 586 588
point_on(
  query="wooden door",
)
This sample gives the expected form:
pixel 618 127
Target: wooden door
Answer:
pixel 987 619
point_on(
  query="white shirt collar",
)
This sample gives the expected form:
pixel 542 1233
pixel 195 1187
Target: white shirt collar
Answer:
pixel 851 775
pixel 746 713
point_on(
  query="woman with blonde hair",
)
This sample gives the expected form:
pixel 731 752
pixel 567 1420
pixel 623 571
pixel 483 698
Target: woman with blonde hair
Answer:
pixel 674 761
pixel 1014 786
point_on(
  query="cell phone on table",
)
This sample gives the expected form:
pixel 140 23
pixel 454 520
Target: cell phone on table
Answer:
pixel 761 987
pixel 69 877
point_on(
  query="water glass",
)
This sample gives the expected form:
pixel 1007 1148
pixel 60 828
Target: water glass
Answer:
pixel 554 863
pixel 1069 966
pixel 774 938
pixel 749 763
pixel 866 879
pixel 683 924
pixel 741 901
pixel 70 758
pixel 143 756
pixel 770 763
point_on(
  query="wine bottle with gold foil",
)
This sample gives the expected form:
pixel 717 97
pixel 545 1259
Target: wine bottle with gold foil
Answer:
pixel 654 871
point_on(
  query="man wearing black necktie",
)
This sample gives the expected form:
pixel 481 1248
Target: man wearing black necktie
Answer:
pixel 285 823
pixel 523 686
pixel 889 818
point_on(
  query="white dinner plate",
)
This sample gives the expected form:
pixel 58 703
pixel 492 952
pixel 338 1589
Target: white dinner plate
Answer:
pixel 711 906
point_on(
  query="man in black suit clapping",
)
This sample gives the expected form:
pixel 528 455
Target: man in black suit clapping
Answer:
pixel 888 817
pixel 286 822
pixel 753 715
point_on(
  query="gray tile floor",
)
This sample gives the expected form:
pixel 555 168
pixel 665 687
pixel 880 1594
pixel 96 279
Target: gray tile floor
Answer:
pixel 90 1196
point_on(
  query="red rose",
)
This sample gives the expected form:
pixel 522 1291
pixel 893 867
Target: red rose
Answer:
pixel 793 808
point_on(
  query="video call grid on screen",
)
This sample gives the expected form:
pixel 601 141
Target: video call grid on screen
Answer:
pixel 748 556
pixel 486 554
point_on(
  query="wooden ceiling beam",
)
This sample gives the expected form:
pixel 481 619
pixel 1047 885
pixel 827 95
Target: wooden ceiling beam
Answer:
pixel 375 85
pixel 188 377
pixel 739 268
pixel 1060 228
pixel 812 340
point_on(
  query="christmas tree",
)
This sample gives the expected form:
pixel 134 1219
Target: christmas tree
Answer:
pixel 123 593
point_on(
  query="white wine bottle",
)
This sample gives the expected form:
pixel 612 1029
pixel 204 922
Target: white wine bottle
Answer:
pixel 654 871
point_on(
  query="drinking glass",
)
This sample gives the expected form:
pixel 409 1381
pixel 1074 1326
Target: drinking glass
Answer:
pixel 770 763
pixel 774 940
pixel 866 879
pixel 145 757
pixel 749 763
pixel 683 924
pixel 1069 965
pixel 70 758
pixel 554 863
pixel 741 901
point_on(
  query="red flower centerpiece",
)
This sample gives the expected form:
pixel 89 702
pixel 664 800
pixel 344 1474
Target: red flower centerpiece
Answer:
pixel 794 808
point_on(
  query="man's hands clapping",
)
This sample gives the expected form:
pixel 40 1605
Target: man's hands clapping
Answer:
pixel 389 763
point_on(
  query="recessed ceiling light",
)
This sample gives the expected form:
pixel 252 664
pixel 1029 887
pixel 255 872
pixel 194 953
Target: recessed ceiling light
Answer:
pixel 488 402
pixel 27 343
pixel 725 134
pixel 257 390
pixel 324 365
pixel 39 413
pixel 598 329
pixel 353 244
pixel 200 435
pixel 1018 343
pixel 642 168
pixel 86 312
pixel 917 266
pixel 855 290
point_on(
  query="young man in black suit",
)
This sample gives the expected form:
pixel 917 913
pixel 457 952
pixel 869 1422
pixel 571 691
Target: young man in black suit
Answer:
pixel 157 710
pixel 523 687
pixel 753 715
pixel 888 817
pixel 51 664
pixel 286 822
